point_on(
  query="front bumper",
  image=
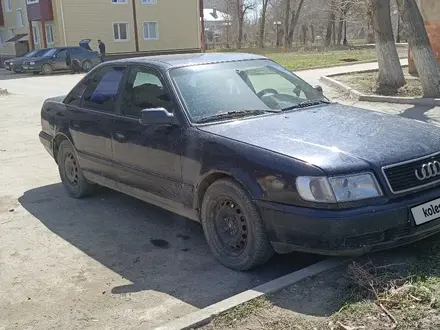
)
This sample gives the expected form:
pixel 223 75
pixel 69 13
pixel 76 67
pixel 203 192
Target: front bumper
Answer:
pixel 31 68
pixel 346 232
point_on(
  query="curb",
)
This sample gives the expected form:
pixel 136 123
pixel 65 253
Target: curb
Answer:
pixel 204 316
pixel 376 98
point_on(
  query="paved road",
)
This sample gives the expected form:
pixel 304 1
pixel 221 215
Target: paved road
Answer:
pixel 109 261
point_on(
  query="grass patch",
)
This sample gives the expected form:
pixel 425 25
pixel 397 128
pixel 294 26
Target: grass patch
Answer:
pixel 318 58
pixel 365 82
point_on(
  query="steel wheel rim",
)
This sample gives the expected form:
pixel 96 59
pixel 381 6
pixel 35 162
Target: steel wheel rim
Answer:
pixel 71 169
pixel 87 66
pixel 230 226
pixel 46 69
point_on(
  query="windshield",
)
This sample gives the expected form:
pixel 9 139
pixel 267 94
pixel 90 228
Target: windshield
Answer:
pixel 50 53
pixel 31 54
pixel 213 89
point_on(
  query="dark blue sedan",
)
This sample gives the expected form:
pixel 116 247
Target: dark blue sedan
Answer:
pixel 261 158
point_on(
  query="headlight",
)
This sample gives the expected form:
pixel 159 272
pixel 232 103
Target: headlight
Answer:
pixel 31 63
pixel 338 189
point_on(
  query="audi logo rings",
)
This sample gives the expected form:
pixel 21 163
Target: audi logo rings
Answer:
pixel 428 170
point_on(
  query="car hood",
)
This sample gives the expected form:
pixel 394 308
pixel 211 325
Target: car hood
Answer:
pixel 335 137
pixel 16 60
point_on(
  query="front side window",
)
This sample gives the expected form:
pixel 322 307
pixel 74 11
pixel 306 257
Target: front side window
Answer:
pixel 102 89
pixel 62 54
pixel 120 31
pixel 213 89
pixel 143 90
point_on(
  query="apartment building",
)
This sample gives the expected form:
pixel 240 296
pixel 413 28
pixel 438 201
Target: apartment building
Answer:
pixel 125 26
pixel 14 27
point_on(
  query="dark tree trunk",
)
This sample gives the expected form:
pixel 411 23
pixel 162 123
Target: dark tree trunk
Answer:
pixel 263 23
pixel 390 71
pixel 328 35
pixel 345 33
pixel 286 23
pixel 312 32
pixel 420 47
pixel 294 21
pixel 340 29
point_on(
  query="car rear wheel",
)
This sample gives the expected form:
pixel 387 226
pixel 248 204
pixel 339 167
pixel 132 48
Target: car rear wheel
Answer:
pixel 47 69
pixel 87 66
pixel 233 227
pixel 70 172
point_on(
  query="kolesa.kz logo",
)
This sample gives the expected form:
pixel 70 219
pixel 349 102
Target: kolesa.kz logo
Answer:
pixel 431 210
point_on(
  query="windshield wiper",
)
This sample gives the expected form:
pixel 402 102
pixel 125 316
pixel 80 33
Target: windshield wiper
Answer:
pixel 234 114
pixel 306 103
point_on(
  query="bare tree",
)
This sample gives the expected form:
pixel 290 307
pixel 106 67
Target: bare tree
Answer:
pixel 262 23
pixel 420 47
pixel 330 23
pixel 390 71
pixel 286 22
pixel 242 8
pixel 294 21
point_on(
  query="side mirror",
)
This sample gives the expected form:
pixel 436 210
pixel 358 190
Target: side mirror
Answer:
pixel 319 89
pixel 157 116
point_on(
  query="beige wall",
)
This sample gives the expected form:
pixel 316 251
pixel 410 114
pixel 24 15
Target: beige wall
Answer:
pixel 178 24
pixel 430 10
pixel 94 20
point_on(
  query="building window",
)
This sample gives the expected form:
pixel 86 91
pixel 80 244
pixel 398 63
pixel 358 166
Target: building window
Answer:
pixel 36 32
pixel 31 2
pixel 151 31
pixel 49 34
pixel 119 1
pixel 8 5
pixel 20 21
pixel 148 2
pixel 120 31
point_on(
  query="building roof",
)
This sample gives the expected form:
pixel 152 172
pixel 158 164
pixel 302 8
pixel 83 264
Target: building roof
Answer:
pixel 192 59
pixel 17 37
pixel 214 15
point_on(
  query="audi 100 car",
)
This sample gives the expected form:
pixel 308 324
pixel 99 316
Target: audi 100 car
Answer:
pixel 262 159
pixel 16 64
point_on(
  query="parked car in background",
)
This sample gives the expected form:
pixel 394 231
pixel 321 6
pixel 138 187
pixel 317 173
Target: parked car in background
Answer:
pixel 16 64
pixel 262 159
pixel 55 60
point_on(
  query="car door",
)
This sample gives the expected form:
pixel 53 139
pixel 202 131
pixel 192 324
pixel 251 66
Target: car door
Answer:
pixel 147 157
pixel 91 108
pixel 59 60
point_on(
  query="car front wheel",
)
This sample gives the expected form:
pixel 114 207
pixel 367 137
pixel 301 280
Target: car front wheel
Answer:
pixel 47 69
pixel 70 172
pixel 233 227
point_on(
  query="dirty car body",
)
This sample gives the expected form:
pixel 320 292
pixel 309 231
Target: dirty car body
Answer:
pixel 16 64
pixel 322 177
pixel 55 60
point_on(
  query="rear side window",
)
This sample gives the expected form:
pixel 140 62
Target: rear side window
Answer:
pixel 76 51
pixel 102 90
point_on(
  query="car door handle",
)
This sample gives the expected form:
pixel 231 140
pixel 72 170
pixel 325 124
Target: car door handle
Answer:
pixel 120 136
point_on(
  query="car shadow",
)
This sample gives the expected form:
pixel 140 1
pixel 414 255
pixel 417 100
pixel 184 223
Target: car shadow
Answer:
pixel 152 248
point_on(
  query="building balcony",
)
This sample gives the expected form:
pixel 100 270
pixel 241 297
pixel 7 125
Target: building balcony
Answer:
pixel 39 10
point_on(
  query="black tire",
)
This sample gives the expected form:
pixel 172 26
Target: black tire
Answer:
pixel 47 69
pixel 233 227
pixel 87 66
pixel 70 172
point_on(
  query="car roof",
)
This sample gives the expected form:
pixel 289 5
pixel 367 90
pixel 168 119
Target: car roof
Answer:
pixel 178 60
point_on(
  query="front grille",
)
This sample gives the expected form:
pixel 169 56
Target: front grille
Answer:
pixel 402 177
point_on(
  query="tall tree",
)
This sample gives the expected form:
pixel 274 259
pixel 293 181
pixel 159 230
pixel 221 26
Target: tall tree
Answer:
pixel 262 23
pixel 390 71
pixel 330 23
pixel 242 8
pixel 420 47
pixel 286 22
pixel 294 21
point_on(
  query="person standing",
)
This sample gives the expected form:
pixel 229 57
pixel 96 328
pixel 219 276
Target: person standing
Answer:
pixel 102 49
